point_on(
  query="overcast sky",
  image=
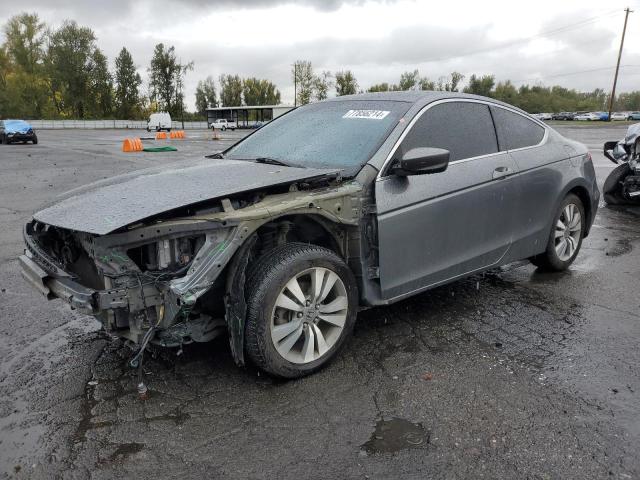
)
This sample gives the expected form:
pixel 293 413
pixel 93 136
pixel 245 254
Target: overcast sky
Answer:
pixel 537 42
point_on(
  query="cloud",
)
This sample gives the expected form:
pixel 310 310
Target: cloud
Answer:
pixel 377 40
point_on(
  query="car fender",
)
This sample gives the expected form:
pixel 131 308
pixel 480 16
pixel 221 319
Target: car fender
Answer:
pixel 585 193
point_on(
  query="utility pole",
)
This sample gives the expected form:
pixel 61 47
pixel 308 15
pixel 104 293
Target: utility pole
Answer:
pixel 295 84
pixel 615 78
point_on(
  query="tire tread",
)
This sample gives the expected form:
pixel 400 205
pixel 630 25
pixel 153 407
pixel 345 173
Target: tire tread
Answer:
pixel 260 278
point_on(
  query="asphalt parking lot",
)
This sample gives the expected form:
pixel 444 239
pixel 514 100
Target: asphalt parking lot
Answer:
pixel 509 374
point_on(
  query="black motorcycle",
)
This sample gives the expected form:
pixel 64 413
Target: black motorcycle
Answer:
pixel 622 186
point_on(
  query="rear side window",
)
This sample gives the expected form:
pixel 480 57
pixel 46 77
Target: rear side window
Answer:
pixel 514 130
pixel 463 128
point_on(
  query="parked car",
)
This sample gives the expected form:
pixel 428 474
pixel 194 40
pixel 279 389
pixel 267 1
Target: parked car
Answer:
pixel 633 116
pixel 543 116
pixel 589 117
pixel 159 121
pixel 222 124
pixel 617 116
pixel 563 116
pixel 604 116
pixel 17 131
pixel 281 240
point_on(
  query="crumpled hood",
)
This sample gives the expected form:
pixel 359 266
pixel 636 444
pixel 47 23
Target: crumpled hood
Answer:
pixel 108 205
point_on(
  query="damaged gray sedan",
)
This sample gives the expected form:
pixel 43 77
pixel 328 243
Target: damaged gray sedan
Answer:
pixel 334 207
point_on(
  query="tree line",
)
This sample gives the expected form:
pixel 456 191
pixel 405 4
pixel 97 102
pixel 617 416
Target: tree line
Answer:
pixel 311 86
pixel 62 73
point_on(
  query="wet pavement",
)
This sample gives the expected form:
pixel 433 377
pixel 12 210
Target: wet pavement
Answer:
pixel 508 374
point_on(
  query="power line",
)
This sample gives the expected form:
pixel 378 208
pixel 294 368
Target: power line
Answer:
pixel 525 40
pixel 577 72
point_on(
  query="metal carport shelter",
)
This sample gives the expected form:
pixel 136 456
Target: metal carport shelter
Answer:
pixel 246 115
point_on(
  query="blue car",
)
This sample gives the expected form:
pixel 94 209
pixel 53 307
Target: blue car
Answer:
pixel 604 116
pixel 16 131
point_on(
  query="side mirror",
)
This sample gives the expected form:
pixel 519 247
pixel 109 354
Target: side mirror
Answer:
pixel 419 161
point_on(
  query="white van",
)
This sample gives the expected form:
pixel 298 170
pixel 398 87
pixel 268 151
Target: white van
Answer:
pixel 159 121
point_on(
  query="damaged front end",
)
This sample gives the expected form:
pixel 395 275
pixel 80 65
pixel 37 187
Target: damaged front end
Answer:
pixel 177 279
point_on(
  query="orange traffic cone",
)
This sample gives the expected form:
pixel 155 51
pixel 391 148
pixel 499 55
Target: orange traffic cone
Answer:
pixel 161 135
pixel 131 145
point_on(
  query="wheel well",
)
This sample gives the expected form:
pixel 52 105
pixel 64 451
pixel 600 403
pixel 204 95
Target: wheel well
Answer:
pixel 583 195
pixel 300 228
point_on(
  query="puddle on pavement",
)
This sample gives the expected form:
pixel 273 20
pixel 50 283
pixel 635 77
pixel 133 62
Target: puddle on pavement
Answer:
pixel 394 435
pixel 622 246
pixel 125 450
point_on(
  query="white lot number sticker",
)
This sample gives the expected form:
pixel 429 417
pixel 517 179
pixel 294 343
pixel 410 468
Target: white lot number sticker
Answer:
pixel 370 114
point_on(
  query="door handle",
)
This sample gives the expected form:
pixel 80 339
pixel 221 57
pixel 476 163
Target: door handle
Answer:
pixel 501 172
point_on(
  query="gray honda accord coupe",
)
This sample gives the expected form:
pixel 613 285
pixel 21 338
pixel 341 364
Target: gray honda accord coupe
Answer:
pixel 334 207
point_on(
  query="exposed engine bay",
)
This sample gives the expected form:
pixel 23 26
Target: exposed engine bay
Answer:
pixel 179 277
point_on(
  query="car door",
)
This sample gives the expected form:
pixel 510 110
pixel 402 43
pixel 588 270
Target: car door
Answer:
pixel 435 227
pixel 542 167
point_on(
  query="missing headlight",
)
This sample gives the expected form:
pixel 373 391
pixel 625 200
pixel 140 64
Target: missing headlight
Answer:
pixel 168 254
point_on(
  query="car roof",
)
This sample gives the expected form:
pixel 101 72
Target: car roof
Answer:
pixel 418 97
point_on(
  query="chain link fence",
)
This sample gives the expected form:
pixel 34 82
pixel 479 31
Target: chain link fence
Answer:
pixel 95 124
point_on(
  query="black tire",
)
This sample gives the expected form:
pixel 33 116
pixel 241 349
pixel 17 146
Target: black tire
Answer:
pixel 223 128
pixel 612 188
pixel 265 281
pixel 35 140
pixel 3 140
pixel 549 259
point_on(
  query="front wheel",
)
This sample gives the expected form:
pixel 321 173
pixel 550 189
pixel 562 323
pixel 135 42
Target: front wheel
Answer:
pixel 302 306
pixel 612 188
pixel 565 238
pixel 35 140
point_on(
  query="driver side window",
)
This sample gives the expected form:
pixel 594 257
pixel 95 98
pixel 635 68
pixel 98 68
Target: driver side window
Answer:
pixel 464 128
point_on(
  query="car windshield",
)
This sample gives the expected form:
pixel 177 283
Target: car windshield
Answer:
pixel 15 124
pixel 336 134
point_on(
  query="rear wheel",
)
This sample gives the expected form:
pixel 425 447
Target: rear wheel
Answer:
pixel 301 309
pixel 565 238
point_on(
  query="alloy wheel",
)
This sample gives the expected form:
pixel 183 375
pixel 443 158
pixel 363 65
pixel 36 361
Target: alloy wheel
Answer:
pixel 567 232
pixel 309 315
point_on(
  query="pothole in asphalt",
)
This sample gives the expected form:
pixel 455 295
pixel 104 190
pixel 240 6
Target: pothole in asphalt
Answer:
pixel 394 435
